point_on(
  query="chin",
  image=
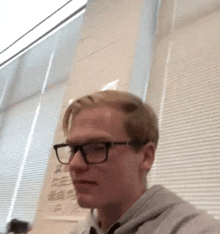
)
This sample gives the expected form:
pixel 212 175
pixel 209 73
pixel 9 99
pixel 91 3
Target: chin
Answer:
pixel 86 201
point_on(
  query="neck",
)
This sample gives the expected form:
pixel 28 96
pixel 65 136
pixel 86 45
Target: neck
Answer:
pixel 108 215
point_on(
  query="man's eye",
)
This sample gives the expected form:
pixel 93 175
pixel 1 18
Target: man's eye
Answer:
pixel 72 150
pixel 99 148
pixel 95 147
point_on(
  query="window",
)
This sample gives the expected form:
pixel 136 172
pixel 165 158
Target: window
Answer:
pixel 32 88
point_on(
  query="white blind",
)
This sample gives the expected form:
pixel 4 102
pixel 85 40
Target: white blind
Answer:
pixel 25 146
pixel 28 119
pixel 188 156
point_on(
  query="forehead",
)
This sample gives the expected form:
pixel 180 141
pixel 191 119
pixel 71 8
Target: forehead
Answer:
pixel 98 122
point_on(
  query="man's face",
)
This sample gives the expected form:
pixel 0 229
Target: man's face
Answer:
pixel 119 180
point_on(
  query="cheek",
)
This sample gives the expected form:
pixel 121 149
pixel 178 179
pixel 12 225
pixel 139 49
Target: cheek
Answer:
pixel 132 169
pixel 122 173
pixel 111 177
pixel 132 163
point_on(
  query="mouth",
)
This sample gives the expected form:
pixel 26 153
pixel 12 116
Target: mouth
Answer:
pixel 75 182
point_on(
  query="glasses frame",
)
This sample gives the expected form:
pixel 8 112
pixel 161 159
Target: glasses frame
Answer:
pixel 107 144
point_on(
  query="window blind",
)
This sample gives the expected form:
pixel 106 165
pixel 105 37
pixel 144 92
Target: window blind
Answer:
pixel 33 86
pixel 26 145
pixel 188 155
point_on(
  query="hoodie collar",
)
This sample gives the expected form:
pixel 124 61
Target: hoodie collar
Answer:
pixel 147 207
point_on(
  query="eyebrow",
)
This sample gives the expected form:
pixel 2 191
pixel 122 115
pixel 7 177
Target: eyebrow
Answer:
pixel 90 140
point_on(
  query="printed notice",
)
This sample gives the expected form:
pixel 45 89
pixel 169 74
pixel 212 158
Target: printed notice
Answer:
pixel 61 199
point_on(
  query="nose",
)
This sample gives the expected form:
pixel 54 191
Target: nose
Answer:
pixel 77 162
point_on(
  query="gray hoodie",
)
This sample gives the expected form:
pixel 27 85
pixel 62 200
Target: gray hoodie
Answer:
pixel 157 211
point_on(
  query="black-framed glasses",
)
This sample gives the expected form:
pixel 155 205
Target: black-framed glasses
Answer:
pixel 93 153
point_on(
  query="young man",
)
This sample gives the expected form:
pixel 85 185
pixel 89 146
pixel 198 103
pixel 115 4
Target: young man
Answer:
pixel 111 141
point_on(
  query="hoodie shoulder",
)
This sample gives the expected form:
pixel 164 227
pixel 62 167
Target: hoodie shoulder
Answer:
pixel 160 211
pixel 198 224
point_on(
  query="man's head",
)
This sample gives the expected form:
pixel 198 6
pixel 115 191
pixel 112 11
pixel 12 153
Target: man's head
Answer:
pixel 141 123
pixel 110 117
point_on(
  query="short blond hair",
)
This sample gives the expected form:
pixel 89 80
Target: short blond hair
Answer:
pixel 141 124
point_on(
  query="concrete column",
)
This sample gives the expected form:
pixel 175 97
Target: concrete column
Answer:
pixel 104 58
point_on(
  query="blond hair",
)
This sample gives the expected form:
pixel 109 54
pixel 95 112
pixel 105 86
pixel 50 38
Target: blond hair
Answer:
pixel 141 124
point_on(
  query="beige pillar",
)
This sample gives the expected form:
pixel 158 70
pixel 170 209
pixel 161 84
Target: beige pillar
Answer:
pixel 104 55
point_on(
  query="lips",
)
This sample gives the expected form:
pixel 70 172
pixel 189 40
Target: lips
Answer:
pixel 78 182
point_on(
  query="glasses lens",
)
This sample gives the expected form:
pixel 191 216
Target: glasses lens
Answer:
pixel 65 153
pixel 95 152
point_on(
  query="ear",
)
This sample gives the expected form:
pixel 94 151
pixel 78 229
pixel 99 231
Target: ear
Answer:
pixel 148 152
